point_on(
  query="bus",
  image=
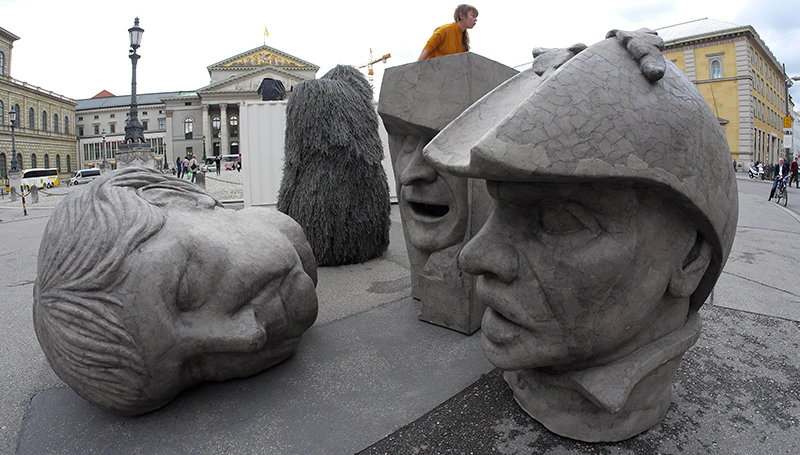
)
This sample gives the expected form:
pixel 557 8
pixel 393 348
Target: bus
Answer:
pixel 39 177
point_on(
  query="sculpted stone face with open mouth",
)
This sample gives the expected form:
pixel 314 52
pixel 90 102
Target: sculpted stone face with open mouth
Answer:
pixel 434 206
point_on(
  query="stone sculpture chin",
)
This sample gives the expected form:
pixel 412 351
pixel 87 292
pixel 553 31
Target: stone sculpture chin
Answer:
pixel 146 285
pixel 615 209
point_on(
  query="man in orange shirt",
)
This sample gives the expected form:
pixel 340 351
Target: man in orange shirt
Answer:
pixel 451 38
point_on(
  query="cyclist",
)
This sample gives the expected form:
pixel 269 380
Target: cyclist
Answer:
pixel 781 173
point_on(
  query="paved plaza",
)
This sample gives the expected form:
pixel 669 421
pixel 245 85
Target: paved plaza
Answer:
pixel 370 378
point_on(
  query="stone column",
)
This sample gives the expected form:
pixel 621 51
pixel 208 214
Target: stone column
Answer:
pixel 223 133
pixel 206 130
pixel 169 153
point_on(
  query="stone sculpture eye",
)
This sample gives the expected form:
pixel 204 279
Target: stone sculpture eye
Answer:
pixel 558 217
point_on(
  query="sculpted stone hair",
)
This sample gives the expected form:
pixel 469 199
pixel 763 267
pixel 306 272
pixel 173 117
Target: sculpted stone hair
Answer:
pixel 77 316
pixel 464 9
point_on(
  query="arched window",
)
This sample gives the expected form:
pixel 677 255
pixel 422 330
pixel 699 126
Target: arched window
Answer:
pixel 69 166
pixel 215 126
pixel 47 161
pixel 44 120
pixel 716 69
pixel 55 123
pixel 66 125
pixel 188 127
pixel 3 168
pixel 58 163
pixel 33 160
pixel 234 121
pixel 31 119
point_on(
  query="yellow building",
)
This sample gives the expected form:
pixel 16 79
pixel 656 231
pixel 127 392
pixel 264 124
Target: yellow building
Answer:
pixel 44 134
pixel 740 78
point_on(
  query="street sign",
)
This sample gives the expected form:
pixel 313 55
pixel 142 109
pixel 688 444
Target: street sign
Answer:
pixel 787 121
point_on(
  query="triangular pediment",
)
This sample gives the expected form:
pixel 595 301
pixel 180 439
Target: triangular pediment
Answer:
pixel 262 56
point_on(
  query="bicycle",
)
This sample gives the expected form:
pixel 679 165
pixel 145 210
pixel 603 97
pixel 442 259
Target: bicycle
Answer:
pixel 782 192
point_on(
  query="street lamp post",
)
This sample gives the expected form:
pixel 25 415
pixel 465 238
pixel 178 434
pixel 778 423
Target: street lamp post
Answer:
pixel 104 164
pixel 13 116
pixel 134 132
pixel 204 148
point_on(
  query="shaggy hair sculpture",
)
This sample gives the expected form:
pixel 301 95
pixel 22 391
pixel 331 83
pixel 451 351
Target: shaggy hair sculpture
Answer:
pixel 334 184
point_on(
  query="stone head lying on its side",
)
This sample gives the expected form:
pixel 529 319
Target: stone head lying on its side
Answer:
pixel 146 285
pixel 615 211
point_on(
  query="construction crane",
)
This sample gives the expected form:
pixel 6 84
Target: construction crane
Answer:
pixel 371 73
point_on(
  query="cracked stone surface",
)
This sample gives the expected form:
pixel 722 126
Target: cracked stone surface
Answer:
pixel 439 212
pixel 615 211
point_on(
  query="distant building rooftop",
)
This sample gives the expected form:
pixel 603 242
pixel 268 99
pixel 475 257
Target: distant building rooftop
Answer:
pixel 694 28
pixel 119 101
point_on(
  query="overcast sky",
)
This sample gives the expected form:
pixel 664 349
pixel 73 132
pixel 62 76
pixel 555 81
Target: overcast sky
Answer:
pixel 79 48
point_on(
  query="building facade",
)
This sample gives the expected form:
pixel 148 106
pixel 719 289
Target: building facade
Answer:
pixel 206 122
pixel 101 121
pixel 44 135
pixel 740 78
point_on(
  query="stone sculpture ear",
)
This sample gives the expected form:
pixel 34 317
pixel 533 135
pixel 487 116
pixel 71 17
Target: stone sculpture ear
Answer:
pixel 685 279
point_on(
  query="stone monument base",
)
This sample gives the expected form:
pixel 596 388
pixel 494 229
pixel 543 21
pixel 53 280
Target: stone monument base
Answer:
pixel 611 402
pixel 139 154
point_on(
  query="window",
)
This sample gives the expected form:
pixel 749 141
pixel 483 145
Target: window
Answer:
pixel 47 161
pixel 44 121
pixel 33 160
pixel 31 119
pixel 144 125
pixel 80 118
pixel 215 126
pixel 69 165
pixel 2 64
pixel 716 69
pixel 112 115
pixel 188 127
pixel 66 125
pixel 234 122
pixel 112 127
pixel 96 117
pixel 80 131
pixel 55 124
pixel 58 163
pixel 3 169
pixel 2 113
pixel 96 130
pixel 162 124
pixel 144 112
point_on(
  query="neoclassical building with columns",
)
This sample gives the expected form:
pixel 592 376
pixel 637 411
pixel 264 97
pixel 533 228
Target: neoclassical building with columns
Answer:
pixel 206 122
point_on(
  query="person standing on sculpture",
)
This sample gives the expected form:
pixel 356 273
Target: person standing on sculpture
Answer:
pixel 781 172
pixel 451 38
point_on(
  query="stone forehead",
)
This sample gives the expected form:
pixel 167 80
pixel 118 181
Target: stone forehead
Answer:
pixel 428 95
pixel 598 118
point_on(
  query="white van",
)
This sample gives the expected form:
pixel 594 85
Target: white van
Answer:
pixel 84 176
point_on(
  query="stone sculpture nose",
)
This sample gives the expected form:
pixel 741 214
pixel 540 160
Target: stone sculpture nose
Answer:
pixel 418 168
pixel 490 254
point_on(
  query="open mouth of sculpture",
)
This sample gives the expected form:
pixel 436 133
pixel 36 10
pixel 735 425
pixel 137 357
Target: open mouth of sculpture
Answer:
pixel 432 210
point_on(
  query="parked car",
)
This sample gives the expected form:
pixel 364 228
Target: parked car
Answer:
pixel 83 176
pixel 210 165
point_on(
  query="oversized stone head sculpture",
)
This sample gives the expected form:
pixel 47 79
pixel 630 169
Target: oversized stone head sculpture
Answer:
pixel 615 211
pixel 439 211
pixel 146 285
